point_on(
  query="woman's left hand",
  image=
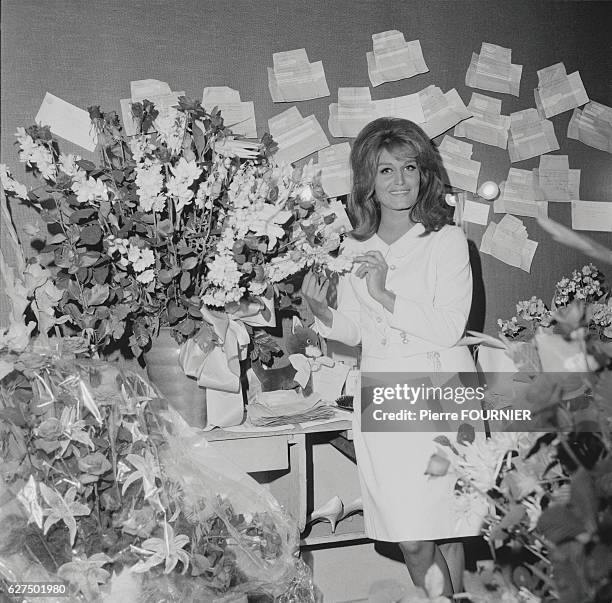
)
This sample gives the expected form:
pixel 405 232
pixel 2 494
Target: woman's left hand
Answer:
pixel 374 268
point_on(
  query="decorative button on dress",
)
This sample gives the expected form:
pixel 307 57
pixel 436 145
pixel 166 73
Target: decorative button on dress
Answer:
pixel 431 278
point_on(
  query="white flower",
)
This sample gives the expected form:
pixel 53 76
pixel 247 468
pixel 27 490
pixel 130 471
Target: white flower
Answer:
pixel 68 164
pixel 10 184
pixel 146 259
pixel 117 244
pixel 146 277
pixel 140 146
pixel 133 254
pixel 187 171
pixel 258 288
pixel 89 189
pixel 268 221
pixel 170 126
pixel 150 180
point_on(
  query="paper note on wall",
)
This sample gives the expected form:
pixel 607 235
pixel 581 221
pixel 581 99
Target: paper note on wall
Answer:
pixel 475 212
pixel 492 70
pixel 557 92
pixel 68 121
pixel 393 58
pixel 554 179
pixel 518 195
pixel 296 136
pixel 592 126
pixel 462 171
pixel 592 215
pixel 530 135
pixel 508 242
pixel 486 125
pixel 295 78
pixel 237 115
pixel 333 162
pixel 441 111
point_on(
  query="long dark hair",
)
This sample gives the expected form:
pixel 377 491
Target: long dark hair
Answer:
pixel 394 134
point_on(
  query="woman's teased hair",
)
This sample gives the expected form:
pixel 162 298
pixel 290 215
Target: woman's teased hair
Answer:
pixel 394 134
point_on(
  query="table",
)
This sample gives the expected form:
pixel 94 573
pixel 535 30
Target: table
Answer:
pixel 285 461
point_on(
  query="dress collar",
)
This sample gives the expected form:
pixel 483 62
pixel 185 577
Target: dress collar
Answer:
pixel 401 245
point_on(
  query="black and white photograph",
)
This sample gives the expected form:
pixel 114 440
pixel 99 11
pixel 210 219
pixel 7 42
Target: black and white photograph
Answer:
pixel 306 301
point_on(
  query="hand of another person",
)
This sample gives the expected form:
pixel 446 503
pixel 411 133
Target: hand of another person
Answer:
pixel 314 292
pixel 374 269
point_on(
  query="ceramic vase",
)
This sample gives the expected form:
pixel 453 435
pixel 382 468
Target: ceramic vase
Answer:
pixel 182 392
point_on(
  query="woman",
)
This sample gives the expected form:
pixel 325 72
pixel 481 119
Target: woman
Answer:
pixel 407 301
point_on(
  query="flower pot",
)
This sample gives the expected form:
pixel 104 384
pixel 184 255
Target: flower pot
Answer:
pixel 182 392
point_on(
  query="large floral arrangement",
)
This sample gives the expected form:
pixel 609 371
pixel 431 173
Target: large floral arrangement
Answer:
pixel 548 491
pixel 169 221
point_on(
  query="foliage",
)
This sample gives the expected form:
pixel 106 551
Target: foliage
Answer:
pixel 94 485
pixel 586 286
pixel 549 491
pixel 180 215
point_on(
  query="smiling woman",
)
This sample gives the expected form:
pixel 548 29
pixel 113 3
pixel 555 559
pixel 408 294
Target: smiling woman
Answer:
pixel 407 302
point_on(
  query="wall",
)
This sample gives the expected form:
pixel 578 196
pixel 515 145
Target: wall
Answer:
pixel 87 53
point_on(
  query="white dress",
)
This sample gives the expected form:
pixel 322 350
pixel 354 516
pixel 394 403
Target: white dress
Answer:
pixel 431 278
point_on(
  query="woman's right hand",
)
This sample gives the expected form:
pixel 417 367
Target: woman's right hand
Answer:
pixel 314 292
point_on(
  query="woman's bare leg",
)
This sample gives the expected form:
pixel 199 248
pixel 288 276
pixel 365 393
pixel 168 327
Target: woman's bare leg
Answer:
pixel 419 557
pixel 454 556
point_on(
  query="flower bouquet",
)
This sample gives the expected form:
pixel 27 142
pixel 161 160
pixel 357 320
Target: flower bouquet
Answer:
pixel 180 216
pixel 110 496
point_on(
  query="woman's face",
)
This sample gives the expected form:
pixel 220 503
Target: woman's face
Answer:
pixel 397 181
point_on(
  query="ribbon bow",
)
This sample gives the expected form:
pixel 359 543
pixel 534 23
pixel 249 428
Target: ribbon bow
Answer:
pixel 305 366
pixel 213 356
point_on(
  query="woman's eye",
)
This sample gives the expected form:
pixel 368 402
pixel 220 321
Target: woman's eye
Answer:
pixel 385 170
pixel 410 167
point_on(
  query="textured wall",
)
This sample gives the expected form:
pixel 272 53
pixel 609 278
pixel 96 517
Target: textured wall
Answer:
pixel 88 52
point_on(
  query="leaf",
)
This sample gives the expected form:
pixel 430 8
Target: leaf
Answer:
pixel 88 258
pixel 88 166
pixel 559 524
pixel 190 263
pixel 91 235
pixel 466 434
pixel 185 281
pixel 80 215
pixel 97 295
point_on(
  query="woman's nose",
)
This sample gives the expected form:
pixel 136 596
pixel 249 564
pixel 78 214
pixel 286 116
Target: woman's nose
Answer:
pixel 399 177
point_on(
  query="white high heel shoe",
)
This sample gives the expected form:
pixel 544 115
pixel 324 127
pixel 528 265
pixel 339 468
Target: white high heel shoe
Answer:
pixel 331 511
pixel 355 506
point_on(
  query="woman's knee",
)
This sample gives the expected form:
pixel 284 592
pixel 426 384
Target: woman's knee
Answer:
pixel 417 548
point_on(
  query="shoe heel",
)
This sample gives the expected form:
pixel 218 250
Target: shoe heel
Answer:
pixel 331 511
